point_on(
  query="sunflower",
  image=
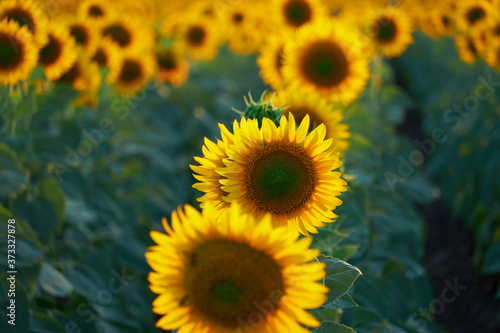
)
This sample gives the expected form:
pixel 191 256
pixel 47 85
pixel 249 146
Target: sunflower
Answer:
pixel 172 67
pixel 390 32
pixel 493 55
pixel 467 50
pixel 244 32
pixel 293 14
pixel 107 54
pixel 95 11
pixel 283 171
pixel 26 13
pixel 270 61
pixel 320 111
pixel 86 35
pixel 198 39
pixel 214 155
pixel 18 53
pixel 473 14
pixel 443 19
pixel 233 274
pixel 83 75
pixel 59 54
pixel 136 71
pixel 128 33
pixel 325 58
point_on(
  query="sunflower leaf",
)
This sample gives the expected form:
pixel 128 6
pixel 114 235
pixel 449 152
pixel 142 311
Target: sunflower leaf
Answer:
pixel 339 278
pixel 331 327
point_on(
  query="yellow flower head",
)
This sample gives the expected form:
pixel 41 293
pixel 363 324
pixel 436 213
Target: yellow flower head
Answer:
pixel 172 67
pixel 26 13
pixel 283 171
pixel 232 274
pixel 326 58
pixel 18 53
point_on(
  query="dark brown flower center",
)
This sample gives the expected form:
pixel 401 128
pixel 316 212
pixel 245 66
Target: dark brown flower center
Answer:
pixel 51 52
pixel 95 11
pixel 166 60
pixel 119 34
pixel 325 64
pixel 385 30
pixel 297 12
pixel 475 14
pixel 80 33
pixel 227 281
pixel 22 17
pixel 131 71
pixel 11 52
pixel 195 35
pixel 71 75
pixel 100 57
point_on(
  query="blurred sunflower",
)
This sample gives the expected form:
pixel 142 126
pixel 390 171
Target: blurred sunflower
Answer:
pixel 59 54
pixel 466 47
pixel 95 11
pixel 172 67
pixel 86 35
pixel 83 75
pixel 26 13
pixel 443 19
pixel 493 55
pixel 108 54
pixel 128 33
pixel 320 111
pixel 270 61
pixel 390 32
pixel 293 14
pixel 135 73
pixel 326 58
pixel 198 39
pixel 283 171
pixel 471 14
pixel 214 155
pixel 18 53
pixel 213 275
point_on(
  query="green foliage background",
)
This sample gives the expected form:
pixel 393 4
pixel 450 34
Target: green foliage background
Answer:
pixel 87 185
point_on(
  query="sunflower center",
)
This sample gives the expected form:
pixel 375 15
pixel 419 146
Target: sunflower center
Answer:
pixel 166 60
pixel 237 18
pixel 11 52
pixel 71 75
pixel 80 34
pixel 475 14
pixel 227 281
pixel 325 64
pixel 300 112
pixel 472 48
pixel 297 12
pixel 131 71
pixel 445 20
pixel 95 11
pixel 50 52
pixel 100 57
pixel 497 30
pixel 118 33
pixel 22 17
pixel 280 178
pixel 387 30
pixel 196 35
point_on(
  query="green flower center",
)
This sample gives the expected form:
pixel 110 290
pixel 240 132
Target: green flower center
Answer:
pixel 280 178
pixel 297 12
pixel 11 52
pixel 226 281
pixel 325 64
pixel 227 292
pixel 118 33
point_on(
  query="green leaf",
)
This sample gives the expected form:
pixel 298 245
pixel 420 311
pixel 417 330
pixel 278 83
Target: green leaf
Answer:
pixel 42 323
pixel 492 260
pixel 50 189
pixel 331 327
pixel 13 177
pixel 345 252
pixel 37 73
pixel 53 282
pixel 339 278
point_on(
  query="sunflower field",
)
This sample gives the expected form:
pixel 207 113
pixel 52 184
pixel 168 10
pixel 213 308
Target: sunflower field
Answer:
pixel 250 166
